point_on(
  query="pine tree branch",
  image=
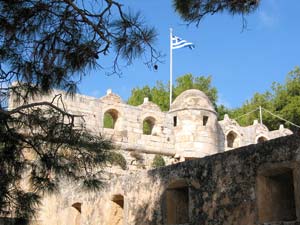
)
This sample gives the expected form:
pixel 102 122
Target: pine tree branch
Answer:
pixel 31 105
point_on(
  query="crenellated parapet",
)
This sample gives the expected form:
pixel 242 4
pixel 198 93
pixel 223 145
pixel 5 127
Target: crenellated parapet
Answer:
pixel 237 136
pixel 189 130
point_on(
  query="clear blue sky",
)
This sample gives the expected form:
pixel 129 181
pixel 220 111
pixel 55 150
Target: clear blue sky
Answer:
pixel 241 63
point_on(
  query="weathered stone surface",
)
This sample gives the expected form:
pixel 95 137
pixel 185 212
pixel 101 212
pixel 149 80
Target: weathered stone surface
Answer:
pixel 221 189
pixel 236 187
pixel 190 129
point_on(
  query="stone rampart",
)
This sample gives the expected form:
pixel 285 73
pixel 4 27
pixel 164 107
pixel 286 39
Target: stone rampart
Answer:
pixel 189 130
pixel 256 184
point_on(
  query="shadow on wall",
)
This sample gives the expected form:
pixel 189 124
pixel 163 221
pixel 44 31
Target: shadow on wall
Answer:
pixel 144 216
pixel 227 188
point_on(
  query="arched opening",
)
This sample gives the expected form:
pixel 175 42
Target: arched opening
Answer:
pixel 177 203
pixel 232 140
pixel 116 210
pixel 261 139
pixel 77 206
pixel 77 218
pixel 148 125
pixel 70 215
pixel 110 118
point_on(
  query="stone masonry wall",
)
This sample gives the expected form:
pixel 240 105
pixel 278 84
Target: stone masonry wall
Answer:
pixel 191 137
pixel 245 186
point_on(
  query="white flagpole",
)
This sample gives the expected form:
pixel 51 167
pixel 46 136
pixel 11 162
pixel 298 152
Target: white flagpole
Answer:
pixel 171 59
pixel 260 115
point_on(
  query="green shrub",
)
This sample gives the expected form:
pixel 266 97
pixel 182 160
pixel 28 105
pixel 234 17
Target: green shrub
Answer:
pixel 158 161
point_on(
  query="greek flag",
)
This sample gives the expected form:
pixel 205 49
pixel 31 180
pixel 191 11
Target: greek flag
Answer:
pixel 177 42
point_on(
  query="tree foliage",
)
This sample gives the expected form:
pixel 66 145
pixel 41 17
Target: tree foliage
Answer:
pixel 48 44
pixel 45 145
pixel 159 94
pixel 283 100
pixel 45 42
pixel 193 11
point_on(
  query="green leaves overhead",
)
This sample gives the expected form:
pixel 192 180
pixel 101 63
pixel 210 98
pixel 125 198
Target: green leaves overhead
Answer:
pixel 283 100
pixel 193 11
pixel 159 94
pixel 46 42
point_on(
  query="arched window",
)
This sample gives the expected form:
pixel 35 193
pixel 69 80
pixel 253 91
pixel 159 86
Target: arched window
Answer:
pixel 177 203
pixel 148 125
pixel 110 118
pixel 117 210
pixel 261 139
pixel 232 140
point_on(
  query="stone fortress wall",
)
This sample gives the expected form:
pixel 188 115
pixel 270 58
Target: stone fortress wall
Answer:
pixel 252 185
pixel 189 130
pixel 255 184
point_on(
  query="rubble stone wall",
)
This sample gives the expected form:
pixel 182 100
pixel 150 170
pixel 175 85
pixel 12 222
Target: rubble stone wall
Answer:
pixel 245 186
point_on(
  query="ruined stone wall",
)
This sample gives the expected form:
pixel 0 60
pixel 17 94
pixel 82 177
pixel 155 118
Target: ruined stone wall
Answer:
pixel 256 184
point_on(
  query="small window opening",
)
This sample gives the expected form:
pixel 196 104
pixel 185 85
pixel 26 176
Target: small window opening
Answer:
pixel 232 140
pixel 276 200
pixel 148 125
pixel 177 199
pixel 205 120
pixel 110 118
pixel 175 121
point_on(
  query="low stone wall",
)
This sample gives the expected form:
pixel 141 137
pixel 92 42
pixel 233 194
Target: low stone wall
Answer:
pixel 256 184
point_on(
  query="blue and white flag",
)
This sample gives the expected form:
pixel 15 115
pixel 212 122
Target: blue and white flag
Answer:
pixel 177 42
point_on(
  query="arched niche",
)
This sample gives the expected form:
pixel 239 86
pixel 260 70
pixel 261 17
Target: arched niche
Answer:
pixel 261 139
pixel 110 118
pixel 77 206
pixel 148 125
pixel 232 139
pixel 116 215
pixel 70 215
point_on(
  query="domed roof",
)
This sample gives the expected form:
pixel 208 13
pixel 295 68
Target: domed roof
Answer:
pixel 192 99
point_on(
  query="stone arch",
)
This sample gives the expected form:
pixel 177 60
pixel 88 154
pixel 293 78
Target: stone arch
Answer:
pixel 110 118
pixel 116 216
pixel 148 125
pixel 70 215
pixel 77 206
pixel 261 139
pixel 232 139
pixel 177 202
